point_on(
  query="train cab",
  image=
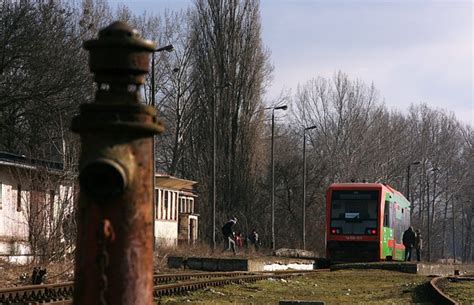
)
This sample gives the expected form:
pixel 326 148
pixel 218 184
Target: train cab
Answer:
pixel 365 222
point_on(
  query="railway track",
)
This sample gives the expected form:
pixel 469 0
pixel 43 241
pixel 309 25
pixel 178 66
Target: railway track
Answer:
pixel 438 295
pixel 176 283
pixel 164 284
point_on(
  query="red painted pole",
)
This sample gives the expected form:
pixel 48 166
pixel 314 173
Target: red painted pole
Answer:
pixel 114 253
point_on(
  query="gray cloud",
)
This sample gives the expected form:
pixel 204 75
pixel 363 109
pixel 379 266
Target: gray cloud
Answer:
pixel 413 51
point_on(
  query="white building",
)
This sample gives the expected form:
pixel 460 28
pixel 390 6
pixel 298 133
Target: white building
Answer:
pixel 175 217
pixel 37 209
pixel 34 202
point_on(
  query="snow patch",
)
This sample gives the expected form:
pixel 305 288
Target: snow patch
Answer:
pixel 277 267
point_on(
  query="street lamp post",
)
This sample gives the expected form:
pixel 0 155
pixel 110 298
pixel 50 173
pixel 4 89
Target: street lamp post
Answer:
pixel 454 235
pixel 284 107
pixel 433 170
pixel 452 212
pixel 408 185
pixel 214 149
pixel 304 185
pixel 167 48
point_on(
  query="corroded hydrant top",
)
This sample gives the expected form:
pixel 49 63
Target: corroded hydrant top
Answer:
pixel 120 60
pixel 120 55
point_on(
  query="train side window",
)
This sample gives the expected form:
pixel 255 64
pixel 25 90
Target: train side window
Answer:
pixel 386 216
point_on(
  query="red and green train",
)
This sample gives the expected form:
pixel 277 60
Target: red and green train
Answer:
pixel 365 222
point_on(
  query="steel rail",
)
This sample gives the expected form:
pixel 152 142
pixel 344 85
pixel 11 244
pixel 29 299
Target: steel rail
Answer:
pixel 438 295
pixel 178 288
pixel 62 292
pixel 171 277
pixel 37 293
pixel 166 278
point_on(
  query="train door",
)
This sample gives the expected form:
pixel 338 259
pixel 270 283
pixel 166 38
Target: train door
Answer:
pixel 388 242
pixel 399 226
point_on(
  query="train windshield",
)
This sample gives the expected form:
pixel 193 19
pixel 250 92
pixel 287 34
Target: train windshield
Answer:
pixel 354 212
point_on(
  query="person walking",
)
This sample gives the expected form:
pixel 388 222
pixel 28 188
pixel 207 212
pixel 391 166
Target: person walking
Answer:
pixel 408 242
pixel 228 233
pixel 418 244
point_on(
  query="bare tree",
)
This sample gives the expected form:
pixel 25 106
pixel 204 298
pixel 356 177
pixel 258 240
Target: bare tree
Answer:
pixel 43 75
pixel 230 69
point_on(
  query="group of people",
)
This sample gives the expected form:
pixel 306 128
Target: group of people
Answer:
pixel 231 240
pixel 412 240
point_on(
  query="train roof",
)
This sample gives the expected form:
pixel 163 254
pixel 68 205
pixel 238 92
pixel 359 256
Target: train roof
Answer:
pixel 360 185
pixel 399 197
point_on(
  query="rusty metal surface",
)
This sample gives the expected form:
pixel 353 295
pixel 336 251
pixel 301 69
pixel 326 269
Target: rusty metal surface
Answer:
pixel 119 51
pixel 167 278
pixel 114 246
pixel 37 293
pixel 438 295
pixel 136 118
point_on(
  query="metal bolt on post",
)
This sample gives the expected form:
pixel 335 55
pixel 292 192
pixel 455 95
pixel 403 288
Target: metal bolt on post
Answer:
pixel 114 251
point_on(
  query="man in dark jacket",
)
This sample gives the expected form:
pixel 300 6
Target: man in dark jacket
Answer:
pixel 229 235
pixel 408 242
pixel 254 239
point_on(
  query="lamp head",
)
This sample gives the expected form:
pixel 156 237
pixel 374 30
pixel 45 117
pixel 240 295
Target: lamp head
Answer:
pixel 168 48
pixel 284 107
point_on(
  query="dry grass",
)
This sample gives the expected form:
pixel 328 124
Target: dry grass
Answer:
pixel 345 286
pixel 11 274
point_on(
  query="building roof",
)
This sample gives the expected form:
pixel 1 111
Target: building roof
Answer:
pixel 174 183
pixel 22 161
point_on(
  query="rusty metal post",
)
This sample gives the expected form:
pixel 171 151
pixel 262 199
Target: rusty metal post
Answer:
pixel 114 257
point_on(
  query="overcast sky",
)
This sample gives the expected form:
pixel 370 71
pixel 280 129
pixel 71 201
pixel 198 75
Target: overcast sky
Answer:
pixel 413 51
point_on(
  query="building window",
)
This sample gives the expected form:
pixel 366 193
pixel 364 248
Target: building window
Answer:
pixel 165 202
pixel 1 195
pixel 52 193
pixel 18 199
pixel 157 201
pixel 175 206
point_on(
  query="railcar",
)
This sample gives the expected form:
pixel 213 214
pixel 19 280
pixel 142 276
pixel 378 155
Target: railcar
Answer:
pixel 365 222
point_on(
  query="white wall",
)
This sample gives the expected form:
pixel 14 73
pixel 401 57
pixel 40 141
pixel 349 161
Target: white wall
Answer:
pixel 166 232
pixel 14 224
pixel 15 249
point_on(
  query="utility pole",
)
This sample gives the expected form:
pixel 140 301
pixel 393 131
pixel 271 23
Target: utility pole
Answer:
pixel 304 185
pixel 408 186
pixel 214 160
pixel 168 48
pixel 284 107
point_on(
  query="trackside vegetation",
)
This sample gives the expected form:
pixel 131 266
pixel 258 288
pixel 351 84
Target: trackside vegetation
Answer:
pixel 351 286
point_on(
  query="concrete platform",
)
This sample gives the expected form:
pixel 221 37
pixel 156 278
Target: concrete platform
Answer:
pixel 265 263
pixel 411 267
